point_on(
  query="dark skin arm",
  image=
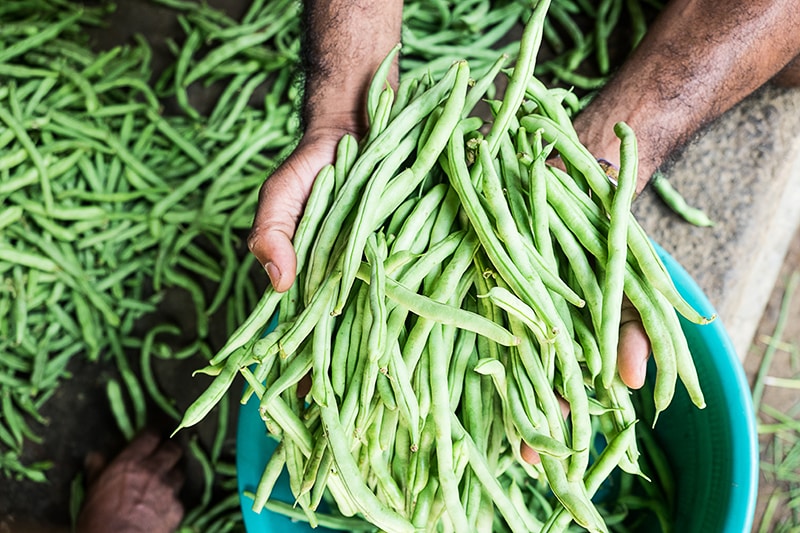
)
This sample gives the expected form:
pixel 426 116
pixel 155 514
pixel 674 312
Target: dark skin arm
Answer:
pixel 699 59
pixel 345 43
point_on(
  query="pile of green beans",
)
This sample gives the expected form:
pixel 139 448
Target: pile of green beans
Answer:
pixel 111 206
pixel 451 288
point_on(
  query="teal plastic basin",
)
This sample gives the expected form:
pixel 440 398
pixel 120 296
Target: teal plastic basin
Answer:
pixel 713 452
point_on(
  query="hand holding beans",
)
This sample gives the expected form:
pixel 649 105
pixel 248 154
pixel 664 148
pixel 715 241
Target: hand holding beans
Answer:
pixel 281 202
pixel 443 317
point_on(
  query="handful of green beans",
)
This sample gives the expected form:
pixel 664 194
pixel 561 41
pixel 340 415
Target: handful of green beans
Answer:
pixel 451 287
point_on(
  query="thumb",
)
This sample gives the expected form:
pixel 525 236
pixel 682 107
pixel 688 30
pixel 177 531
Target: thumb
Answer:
pixel 272 246
pixel 281 203
pixel 93 464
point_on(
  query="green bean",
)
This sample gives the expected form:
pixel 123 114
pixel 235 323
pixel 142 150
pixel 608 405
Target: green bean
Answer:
pixel 172 134
pixel 596 474
pixel 515 91
pixel 418 473
pixel 290 375
pixel 269 478
pixel 198 298
pixel 306 320
pixel 388 487
pixel 425 158
pixel 209 170
pixel 440 403
pixel 426 209
pixel 294 467
pixel 377 338
pixel 506 300
pixel 206 468
pixel 13 419
pixel 460 180
pixel 214 392
pixel 146 371
pixel 637 20
pixel 241 102
pixel 136 166
pixel 477 463
pixel 614 272
pixel 365 218
pixel 687 372
pixel 638 242
pixel 443 313
pixel 223 53
pixel 380 81
pixel 372 509
pixel 641 296
pixel 507 232
pixel 406 400
pixel 117 403
pixel 341 349
pixel 38 161
pixel 39 38
pixel 20 312
pixel 327 521
pixel 588 342
pixel 137 398
pixel 678 203
pixel 30 260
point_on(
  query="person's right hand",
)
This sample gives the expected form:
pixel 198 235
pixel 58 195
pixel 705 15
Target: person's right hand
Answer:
pixel 281 203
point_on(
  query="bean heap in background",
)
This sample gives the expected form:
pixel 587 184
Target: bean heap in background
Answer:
pixel 107 204
pixel 110 204
pixel 451 287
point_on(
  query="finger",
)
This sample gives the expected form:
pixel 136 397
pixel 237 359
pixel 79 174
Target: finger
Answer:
pixel 304 386
pixel 94 464
pixel 634 348
pixel 165 457
pixel 270 240
pixel 529 455
pixel 140 447
pixel 174 479
pixel 281 203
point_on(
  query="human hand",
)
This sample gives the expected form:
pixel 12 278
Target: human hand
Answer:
pixel 281 203
pixel 137 491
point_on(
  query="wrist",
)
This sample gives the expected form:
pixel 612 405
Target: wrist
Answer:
pixel 323 127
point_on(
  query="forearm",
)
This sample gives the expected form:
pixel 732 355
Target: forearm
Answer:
pixel 699 59
pixel 345 41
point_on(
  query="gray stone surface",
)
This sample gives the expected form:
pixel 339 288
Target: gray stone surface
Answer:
pixel 744 171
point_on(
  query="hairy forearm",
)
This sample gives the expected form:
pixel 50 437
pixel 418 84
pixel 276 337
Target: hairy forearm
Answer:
pixel 699 59
pixel 345 41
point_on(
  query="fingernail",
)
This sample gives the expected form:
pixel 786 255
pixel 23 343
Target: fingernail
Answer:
pixel 274 273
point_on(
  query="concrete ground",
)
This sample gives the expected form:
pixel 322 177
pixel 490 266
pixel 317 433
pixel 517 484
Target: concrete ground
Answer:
pixel 743 171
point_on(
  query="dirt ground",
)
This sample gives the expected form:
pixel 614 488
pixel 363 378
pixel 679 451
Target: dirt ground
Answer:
pixel 784 364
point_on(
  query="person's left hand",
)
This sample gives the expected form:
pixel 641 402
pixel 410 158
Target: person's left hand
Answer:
pixel 137 491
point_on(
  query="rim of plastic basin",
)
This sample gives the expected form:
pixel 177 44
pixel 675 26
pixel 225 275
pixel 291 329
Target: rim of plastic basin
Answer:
pixel 714 452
